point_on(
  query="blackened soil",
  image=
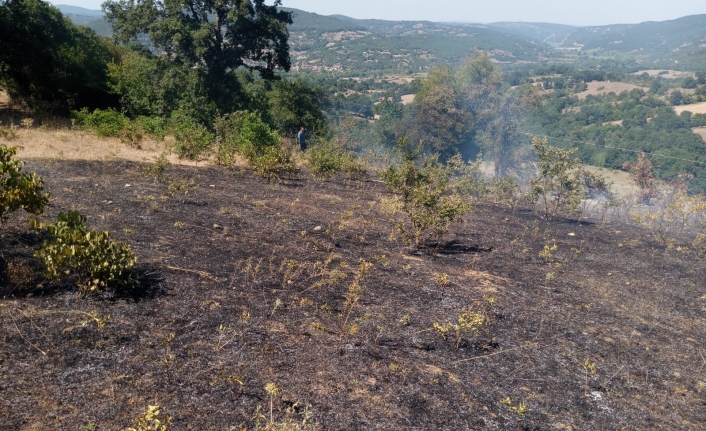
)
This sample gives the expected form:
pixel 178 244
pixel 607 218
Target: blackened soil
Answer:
pixel 607 333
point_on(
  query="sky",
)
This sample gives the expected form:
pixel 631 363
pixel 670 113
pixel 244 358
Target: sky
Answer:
pixel 581 12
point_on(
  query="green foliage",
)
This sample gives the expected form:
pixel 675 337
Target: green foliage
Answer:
pixel 428 198
pixel 326 159
pixel 96 260
pixel 157 170
pixel 154 419
pixel 247 134
pixel 558 186
pixel 136 80
pixel 212 38
pixel 108 122
pixel 192 140
pixel 468 321
pixel 293 104
pixel 48 62
pixel 19 190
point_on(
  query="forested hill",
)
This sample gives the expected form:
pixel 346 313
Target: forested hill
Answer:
pixel 337 42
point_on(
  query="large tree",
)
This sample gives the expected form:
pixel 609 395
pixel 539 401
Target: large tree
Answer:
pixel 214 36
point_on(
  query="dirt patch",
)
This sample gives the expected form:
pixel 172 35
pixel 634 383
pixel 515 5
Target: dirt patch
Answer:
pixel 605 87
pixel 694 108
pixel 408 99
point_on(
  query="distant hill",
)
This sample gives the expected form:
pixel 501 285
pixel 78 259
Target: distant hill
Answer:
pixel 658 40
pixel 544 32
pixel 339 42
pixel 75 10
pixel 342 43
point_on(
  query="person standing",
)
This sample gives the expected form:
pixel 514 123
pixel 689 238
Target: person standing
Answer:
pixel 301 138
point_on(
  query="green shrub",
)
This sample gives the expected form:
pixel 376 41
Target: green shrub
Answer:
pixel 191 139
pixel 19 190
pixel 158 169
pixel 247 134
pixel 558 187
pixel 154 126
pixel 96 260
pixel 326 159
pixel 227 129
pixel 108 122
pixel 428 198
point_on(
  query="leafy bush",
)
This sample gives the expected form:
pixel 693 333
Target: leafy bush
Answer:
pixel 247 134
pixel 155 126
pixel 326 159
pixel 192 140
pixel 158 169
pixel 428 198
pixel 96 260
pixel 154 419
pixel 108 122
pixel 558 186
pixel 228 143
pixel 19 190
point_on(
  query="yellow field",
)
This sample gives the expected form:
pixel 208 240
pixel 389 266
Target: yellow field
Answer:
pixel 694 108
pixel 605 87
pixel 673 74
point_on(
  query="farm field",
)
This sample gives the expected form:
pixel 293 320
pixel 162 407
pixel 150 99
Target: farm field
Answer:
pixel 694 108
pixel 244 283
pixel 604 87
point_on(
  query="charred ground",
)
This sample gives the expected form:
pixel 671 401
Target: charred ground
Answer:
pixel 236 296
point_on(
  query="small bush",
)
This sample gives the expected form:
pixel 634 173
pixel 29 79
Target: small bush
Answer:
pixel 154 126
pixel 191 140
pixel 558 186
pixel 326 160
pixel 104 123
pixel 154 419
pixel 428 198
pixel 19 190
pixel 96 260
pixel 680 212
pixel 157 170
pixel 245 133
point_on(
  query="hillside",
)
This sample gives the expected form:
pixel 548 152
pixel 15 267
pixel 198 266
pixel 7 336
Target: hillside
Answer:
pixel 329 43
pixel 244 284
pixel 553 34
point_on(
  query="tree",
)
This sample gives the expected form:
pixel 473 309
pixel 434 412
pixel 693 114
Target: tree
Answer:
pixel 214 36
pixel 293 104
pixel 48 62
pixel 440 115
pixel 496 111
pixel 558 187
pixel 641 173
